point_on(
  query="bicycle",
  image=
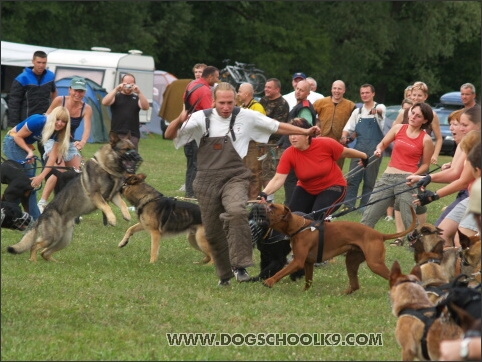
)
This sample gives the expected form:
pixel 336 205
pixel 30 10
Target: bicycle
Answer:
pixel 243 73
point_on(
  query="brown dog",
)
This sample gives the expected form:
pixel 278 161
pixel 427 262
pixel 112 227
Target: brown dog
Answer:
pixel 358 241
pixel 161 216
pixel 470 256
pixel 419 329
pixel 432 273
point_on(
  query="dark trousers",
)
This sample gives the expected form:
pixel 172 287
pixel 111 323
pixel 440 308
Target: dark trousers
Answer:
pixel 190 151
pixel 289 186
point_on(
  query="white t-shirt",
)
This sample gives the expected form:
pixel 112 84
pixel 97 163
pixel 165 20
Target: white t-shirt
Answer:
pixel 249 125
pixel 291 99
pixel 365 113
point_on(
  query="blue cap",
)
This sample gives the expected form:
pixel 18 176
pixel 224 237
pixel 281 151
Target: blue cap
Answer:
pixel 299 75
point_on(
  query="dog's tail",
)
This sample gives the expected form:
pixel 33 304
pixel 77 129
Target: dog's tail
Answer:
pixel 25 244
pixel 405 232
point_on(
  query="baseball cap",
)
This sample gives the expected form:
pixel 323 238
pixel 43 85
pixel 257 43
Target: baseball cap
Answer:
pixel 78 83
pixel 474 197
pixel 299 75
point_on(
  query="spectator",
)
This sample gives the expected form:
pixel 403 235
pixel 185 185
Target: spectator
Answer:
pixel 466 349
pixel 333 112
pixel 467 95
pixel 31 92
pixel 458 176
pixel 222 180
pixel 314 96
pixel 419 93
pixel 277 108
pixel 197 95
pixel 367 123
pixel 78 110
pixel 17 145
pixel 190 148
pixel 303 109
pixel 125 101
pixel 246 100
pixel 198 70
pixel 410 144
pixel 290 97
pixel 320 181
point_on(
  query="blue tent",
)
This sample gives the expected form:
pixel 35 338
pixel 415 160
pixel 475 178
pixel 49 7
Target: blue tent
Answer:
pixel 100 114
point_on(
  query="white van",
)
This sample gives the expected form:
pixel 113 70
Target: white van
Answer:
pixel 99 64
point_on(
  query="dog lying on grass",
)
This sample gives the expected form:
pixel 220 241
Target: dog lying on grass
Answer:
pixel 161 216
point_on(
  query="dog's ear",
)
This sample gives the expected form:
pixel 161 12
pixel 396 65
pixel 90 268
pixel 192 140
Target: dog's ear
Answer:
pixel 287 212
pixel 113 138
pixel 464 240
pixel 439 231
pixel 395 273
pixel 141 176
pixel 438 248
pixel 417 271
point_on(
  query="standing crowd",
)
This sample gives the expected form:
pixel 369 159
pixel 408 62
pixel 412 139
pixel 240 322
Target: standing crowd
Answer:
pixel 240 149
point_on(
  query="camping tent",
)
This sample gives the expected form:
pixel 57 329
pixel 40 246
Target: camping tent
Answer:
pixel 101 117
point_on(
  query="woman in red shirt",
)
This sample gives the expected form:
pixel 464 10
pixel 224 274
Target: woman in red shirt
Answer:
pixel 321 185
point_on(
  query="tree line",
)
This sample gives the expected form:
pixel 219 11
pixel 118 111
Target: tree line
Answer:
pixel 389 44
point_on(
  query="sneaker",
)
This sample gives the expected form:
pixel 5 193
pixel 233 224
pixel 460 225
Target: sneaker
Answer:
pixel 224 282
pixel 241 275
pixel 182 188
pixel 388 218
pixel 42 204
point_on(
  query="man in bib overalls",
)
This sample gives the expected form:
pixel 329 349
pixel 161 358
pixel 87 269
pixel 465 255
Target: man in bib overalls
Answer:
pixel 221 184
pixel 367 124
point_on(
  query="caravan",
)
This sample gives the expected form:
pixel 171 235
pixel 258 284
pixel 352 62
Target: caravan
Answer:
pixel 99 65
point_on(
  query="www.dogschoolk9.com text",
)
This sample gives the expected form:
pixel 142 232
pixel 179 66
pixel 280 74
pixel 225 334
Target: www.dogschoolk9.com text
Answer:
pixel 274 339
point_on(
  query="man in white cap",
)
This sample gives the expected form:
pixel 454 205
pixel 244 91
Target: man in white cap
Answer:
pixel 291 98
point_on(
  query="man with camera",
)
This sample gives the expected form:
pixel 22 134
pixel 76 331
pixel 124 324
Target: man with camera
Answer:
pixel 125 101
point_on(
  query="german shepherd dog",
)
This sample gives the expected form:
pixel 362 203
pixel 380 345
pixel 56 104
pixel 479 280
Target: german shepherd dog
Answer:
pixel 421 326
pixel 160 216
pixel 100 181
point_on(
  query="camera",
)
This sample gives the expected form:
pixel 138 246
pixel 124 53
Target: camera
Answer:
pixel 128 86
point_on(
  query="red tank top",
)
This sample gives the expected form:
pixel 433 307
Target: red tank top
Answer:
pixel 407 151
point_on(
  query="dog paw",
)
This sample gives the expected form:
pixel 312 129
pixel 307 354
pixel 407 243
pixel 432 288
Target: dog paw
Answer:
pixel 268 283
pixel 123 243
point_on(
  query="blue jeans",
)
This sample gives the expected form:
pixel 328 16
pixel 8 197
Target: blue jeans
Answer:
pixel 14 152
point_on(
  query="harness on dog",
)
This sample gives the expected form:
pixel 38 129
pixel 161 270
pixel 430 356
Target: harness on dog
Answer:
pixel 427 317
pixel 314 225
pixel 207 114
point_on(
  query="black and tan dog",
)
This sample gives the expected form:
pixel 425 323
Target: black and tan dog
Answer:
pixel 161 216
pixel 100 182
pixel 19 186
pixel 359 242
pixel 421 326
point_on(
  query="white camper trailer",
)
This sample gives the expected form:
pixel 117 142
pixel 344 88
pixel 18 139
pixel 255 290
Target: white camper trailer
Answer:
pixel 99 64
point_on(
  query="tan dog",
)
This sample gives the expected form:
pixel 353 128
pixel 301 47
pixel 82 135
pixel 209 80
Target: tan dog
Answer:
pixel 419 331
pixel 470 257
pixel 432 273
pixel 358 241
pixel 161 216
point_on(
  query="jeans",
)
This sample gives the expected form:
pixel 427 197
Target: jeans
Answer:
pixel 14 152
pixel 368 176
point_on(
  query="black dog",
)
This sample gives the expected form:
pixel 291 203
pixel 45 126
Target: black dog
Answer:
pixel 19 184
pixel 273 247
pixel 13 217
pixel 63 178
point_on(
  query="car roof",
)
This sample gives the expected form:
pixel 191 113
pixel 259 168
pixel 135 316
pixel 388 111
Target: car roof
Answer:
pixel 451 99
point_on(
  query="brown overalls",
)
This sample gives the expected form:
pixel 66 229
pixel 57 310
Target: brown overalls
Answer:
pixel 221 186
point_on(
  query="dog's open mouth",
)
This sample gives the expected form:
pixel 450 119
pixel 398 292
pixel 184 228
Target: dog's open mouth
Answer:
pixel 131 160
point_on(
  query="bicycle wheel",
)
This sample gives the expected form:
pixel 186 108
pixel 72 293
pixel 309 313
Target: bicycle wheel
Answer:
pixel 257 80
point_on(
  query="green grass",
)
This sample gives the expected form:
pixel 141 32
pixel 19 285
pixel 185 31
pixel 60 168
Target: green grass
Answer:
pixel 100 302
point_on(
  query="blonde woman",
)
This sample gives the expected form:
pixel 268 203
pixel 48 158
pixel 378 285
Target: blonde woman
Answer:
pixel 18 145
pixel 418 94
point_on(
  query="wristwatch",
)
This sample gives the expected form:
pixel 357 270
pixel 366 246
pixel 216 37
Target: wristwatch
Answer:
pixel 464 349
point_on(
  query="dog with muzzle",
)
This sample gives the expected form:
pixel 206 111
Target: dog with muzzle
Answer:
pixel 357 241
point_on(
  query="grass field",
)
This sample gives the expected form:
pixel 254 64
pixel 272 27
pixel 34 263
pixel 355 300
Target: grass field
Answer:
pixel 100 302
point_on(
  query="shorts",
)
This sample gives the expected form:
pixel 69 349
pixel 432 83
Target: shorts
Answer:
pixel 459 211
pixel 71 152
